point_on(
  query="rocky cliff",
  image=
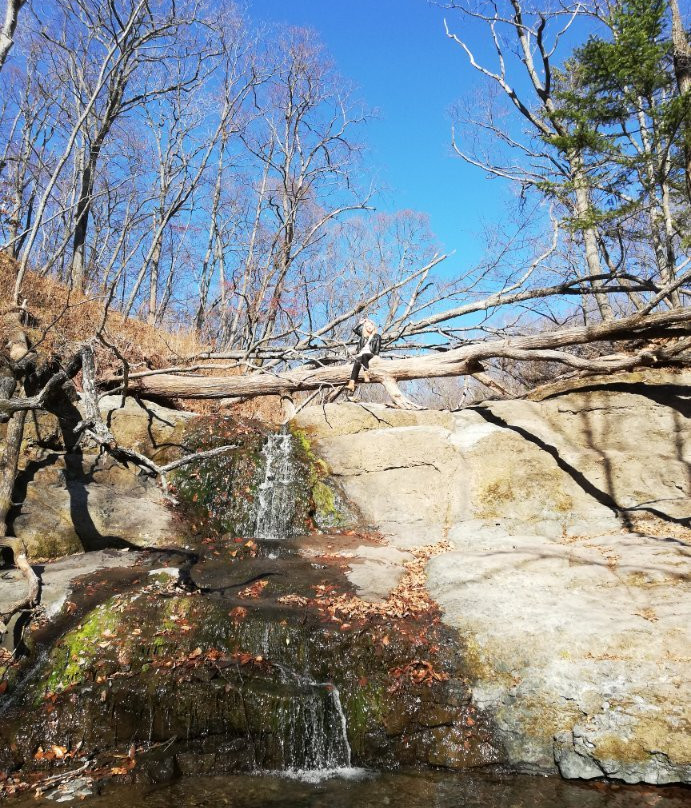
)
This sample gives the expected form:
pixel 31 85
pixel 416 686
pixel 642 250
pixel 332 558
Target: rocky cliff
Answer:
pixel 555 534
pixel 567 518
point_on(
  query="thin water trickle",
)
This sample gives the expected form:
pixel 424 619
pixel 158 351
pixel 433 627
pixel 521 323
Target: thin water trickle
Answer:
pixel 276 500
pixel 336 696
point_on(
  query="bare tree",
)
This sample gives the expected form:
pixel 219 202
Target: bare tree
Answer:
pixel 9 25
pixel 155 55
pixel 27 147
pixel 108 62
pixel 682 70
pixel 525 40
pixel 301 142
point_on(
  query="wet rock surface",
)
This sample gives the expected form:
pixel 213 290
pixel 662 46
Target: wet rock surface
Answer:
pixel 58 578
pixel 268 671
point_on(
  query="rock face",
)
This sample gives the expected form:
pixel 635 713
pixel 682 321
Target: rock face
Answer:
pixel 568 578
pixel 79 503
pixel 72 501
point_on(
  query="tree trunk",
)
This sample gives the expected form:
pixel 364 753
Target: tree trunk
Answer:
pixel 682 71
pixel 8 473
pixel 8 28
pixel 18 348
pixel 8 466
pixel 153 280
pixel 211 252
pixel 9 460
pixel 455 362
pixel 78 270
pixel 590 237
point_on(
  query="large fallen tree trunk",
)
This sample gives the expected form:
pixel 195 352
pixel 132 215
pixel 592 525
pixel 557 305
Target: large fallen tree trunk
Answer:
pixel 454 362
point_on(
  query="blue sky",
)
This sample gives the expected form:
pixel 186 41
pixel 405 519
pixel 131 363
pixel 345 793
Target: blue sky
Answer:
pixel 403 65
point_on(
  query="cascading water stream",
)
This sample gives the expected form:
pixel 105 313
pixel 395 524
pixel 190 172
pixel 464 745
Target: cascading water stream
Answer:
pixel 312 725
pixel 336 696
pixel 315 737
pixel 276 501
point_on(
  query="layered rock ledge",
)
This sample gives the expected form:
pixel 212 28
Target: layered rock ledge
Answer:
pixel 568 516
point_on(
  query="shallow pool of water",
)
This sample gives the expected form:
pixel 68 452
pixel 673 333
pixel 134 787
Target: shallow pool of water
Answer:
pixel 402 789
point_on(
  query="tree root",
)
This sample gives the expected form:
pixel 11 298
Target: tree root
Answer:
pixel 33 583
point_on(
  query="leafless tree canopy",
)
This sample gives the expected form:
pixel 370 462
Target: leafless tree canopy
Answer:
pixel 183 168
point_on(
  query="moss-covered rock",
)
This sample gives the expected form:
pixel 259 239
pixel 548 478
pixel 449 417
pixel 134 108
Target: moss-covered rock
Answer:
pixel 245 682
pixel 325 503
pixel 218 495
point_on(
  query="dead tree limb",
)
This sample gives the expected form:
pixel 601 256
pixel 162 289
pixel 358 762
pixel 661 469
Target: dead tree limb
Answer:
pixel 30 599
pixel 93 427
pixel 454 362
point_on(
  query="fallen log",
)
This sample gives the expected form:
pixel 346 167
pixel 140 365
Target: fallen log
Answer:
pixel 460 361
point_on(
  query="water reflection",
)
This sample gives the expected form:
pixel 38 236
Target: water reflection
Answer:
pixel 374 790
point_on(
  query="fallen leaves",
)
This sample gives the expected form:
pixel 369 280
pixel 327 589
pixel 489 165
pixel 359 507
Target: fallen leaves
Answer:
pixel 238 613
pixel 53 752
pixel 213 656
pixel 418 672
pixel 12 784
pixel 408 599
pixel 127 766
pixel 253 590
pixel 293 600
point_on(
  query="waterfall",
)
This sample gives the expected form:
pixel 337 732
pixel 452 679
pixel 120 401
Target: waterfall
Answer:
pixel 276 501
pixel 314 729
pixel 309 722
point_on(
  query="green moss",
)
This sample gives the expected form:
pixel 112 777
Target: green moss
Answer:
pixel 325 501
pixel 77 649
pixel 328 508
pixel 48 546
pixel 303 441
pixel 364 709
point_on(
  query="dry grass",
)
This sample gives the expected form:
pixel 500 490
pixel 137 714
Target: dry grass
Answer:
pixel 60 319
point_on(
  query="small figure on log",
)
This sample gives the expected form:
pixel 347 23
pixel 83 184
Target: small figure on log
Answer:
pixel 368 346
